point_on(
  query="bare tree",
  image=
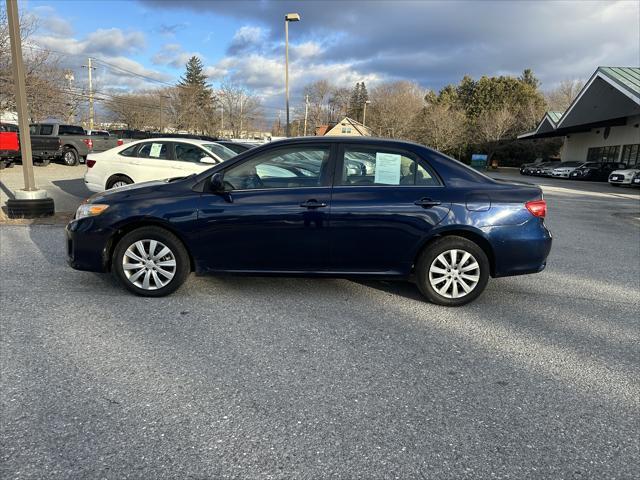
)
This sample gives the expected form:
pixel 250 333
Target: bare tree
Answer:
pixel 561 97
pixel 394 108
pixel 241 108
pixel 495 125
pixel 46 88
pixel 138 111
pixel 318 93
pixel 441 126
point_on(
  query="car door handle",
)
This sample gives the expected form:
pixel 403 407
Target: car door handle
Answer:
pixel 427 203
pixel 313 204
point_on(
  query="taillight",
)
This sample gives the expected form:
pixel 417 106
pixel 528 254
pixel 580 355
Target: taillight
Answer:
pixel 120 142
pixel 90 163
pixel 89 143
pixel 538 208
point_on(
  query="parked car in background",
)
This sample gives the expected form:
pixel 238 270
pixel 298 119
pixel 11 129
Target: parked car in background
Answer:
pixel 623 177
pixel 151 159
pixel 75 143
pixel 533 168
pixel 417 213
pixel 237 147
pixel 547 169
pixel 595 171
pixel 525 167
pixel 635 181
pixel 128 136
pixel 564 169
pixel 43 148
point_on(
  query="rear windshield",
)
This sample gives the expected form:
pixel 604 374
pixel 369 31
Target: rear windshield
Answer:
pixel 70 130
pixel 570 164
pixel 220 150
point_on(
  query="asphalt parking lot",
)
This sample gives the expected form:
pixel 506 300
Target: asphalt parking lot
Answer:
pixel 237 377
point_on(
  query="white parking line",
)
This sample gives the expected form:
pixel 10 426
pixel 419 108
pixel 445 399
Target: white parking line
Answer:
pixel 571 191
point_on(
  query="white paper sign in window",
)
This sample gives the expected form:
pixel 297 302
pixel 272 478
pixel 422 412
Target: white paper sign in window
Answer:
pixel 387 168
pixel 155 150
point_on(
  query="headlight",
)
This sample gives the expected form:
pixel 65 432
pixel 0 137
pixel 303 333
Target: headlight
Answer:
pixel 90 210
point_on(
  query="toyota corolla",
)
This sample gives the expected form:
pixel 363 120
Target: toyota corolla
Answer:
pixel 300 207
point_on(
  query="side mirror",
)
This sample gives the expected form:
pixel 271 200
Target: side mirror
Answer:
pixel 217 182
pixel 208 160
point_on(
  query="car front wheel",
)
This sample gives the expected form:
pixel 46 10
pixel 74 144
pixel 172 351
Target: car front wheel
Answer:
pixel 452 271
pixel 151 262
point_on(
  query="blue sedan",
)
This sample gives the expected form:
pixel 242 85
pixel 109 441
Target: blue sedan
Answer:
pixel 341 207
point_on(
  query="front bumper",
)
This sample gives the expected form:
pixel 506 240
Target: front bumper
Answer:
pixel 88 245
pixel 620 180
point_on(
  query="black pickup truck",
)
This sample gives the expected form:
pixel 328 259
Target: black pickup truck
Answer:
pixel 43 148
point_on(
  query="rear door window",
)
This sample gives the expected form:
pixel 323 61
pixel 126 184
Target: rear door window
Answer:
pixel 69 130
pixel 154 150
pixel 186 152
pixel 45 129
pixel 381 167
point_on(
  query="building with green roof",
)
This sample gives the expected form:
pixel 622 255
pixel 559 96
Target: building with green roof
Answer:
pixel 602 124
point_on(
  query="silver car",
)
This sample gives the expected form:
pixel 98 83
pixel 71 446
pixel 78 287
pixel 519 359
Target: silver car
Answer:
pixel 564 169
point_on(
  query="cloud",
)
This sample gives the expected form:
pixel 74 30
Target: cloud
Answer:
pixel 435 43
pixel 171 29
pixel 51 23
pixel 111 41
pixel 173 55
pixel 246 38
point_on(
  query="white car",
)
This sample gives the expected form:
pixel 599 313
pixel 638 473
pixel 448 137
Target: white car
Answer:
pixel 564 169
pixel 151 159
pixel 623 177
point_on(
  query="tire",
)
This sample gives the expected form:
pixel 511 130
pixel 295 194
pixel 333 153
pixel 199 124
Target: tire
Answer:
pixel 150 272
pixel 118 181
pixel 432 256
pixel 70 156
pixel 30 208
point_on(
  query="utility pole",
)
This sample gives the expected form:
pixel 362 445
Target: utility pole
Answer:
pixel 29 202
pixel 90 68
pixel 241 115
pixel 306 112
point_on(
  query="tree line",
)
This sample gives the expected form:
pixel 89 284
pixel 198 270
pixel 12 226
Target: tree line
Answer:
pixel 482 115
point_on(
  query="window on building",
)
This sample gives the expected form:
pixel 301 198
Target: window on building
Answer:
pixel 346 129
pixel 603 154
pixel 631 155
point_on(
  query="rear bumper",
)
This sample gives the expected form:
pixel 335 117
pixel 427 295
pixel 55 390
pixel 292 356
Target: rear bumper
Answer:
pixel 88 246
pixel 520 249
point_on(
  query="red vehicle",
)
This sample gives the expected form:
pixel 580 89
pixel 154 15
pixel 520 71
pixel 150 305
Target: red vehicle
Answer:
pixel 9 144
pixel 44 148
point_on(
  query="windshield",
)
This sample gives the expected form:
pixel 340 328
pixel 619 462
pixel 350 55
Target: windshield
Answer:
pixel 221 151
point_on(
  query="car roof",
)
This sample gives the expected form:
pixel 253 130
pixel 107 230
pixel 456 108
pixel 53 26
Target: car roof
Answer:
pixel 347 139
pixel 193 141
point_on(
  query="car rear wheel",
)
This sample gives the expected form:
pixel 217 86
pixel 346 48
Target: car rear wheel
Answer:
pixel 151 262
pixel 452 271
pixel 70 157
pixel 118 181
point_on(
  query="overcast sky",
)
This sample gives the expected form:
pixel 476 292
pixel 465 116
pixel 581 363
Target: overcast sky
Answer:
pixel 432 43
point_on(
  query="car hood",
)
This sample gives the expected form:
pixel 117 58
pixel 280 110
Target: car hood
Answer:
pixel 626 171
pixel 133 189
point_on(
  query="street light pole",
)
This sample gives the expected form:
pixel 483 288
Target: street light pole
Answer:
pixel 364 113
pixel 306 112
pixel 289 17
pixel 29 202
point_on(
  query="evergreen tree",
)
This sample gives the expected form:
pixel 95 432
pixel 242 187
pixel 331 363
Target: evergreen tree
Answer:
pixel 194 75
pixel 529 78
pixel 354 101
pixel 196 98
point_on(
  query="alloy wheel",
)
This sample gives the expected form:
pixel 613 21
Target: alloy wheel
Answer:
pixel 149 264
pixel 454 273
pixel 119 183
